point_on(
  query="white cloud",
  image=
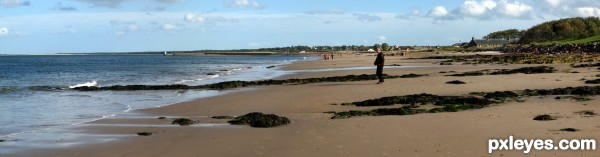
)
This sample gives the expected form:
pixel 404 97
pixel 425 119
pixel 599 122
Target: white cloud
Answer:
pixel 364 17
pixel 62 7
pixel 133 27
pixel 120 33
pixel 104 3
pixel 3 31
pixel 411 15
pixel 325 12
pixel 553 3
pixel 588 11
pixel 243 4
pixel 189 17
pixel 169 1
pixel 438 11
pixel 169 27
pixel 515 9
pixel 381 38
pixel 14 3
pixel 474 8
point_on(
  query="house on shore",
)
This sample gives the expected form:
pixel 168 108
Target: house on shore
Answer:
pixel 489 43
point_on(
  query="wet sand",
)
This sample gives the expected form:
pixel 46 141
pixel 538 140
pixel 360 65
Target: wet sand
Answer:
pixel 313 133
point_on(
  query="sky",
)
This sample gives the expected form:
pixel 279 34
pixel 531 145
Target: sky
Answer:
pixel 76 26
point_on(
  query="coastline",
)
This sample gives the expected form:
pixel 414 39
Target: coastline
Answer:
pixel 312 133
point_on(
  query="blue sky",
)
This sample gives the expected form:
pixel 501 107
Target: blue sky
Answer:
pixel 56 26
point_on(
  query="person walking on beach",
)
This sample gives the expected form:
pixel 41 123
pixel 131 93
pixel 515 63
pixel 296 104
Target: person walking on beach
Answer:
pixel 379 61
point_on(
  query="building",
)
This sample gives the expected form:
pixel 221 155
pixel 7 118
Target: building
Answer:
pixel 489 43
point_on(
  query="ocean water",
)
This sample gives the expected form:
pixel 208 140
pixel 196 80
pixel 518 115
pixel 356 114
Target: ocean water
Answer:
pixel 35 92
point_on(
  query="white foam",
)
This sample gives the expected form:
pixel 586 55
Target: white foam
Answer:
pixel 199 79
pixel 87 84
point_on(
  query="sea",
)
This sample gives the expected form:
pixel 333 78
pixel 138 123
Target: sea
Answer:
pixel 36 91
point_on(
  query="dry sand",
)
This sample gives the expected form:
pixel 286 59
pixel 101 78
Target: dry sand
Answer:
pixel 313 133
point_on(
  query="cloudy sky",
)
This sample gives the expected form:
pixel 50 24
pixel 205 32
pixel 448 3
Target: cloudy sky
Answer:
pixel 54 26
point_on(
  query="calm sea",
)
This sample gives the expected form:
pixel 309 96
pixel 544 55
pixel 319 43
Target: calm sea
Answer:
pixel 35 90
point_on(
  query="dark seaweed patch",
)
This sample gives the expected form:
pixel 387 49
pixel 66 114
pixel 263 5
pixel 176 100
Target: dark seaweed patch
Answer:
pixel 183 121
pixel 237 84
pixel 544 117
pixel 569 129
pixel 260 120
pixel 586 112
pixel 222 117
pixel 144 133
pixel 455 82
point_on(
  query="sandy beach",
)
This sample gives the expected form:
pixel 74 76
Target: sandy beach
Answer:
pixel 313 133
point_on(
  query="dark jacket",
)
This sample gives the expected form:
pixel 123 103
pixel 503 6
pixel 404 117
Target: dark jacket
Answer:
pixel 379 61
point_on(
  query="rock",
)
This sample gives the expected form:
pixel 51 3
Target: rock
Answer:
pixel 455 82
pixel 211 74
pixel 183 121
pixel 569 129
pixel 145 133
pixel 260 120
pixel 544 117
pixel 269 67
pixel 162 117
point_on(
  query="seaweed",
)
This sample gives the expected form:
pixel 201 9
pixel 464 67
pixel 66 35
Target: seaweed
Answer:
pixel 260 120
pixel 544 117
pixel 423 99
pixel 594 81
pixel 237 84
pixel 569 129
pixel 526 70
pixel 581 91
pixel 455 82
pixel 351 113
pixel 222 117
pixel 501 95
pixel 586 112
pixel 411 75
pixel 183 121
pixel 145 133
pixel 586 65
pixel 406 110
pixel 470 73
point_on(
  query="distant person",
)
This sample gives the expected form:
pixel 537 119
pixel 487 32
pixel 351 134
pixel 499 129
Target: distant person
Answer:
pixel 379 61
pixel 324 56
pixel 332 56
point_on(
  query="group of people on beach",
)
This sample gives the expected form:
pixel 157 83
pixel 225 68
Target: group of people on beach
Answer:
pixel 325 57
pixel 379 61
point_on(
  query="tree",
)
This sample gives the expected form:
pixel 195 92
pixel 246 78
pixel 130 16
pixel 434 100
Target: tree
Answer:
pixel 376 46
pixel 563 29
pixel 504 34
pixel 385 47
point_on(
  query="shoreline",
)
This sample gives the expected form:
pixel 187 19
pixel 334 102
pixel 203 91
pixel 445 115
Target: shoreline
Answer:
pixel 313 133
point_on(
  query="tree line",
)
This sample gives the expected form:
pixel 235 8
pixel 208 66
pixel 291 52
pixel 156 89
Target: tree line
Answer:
pixel 563 29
